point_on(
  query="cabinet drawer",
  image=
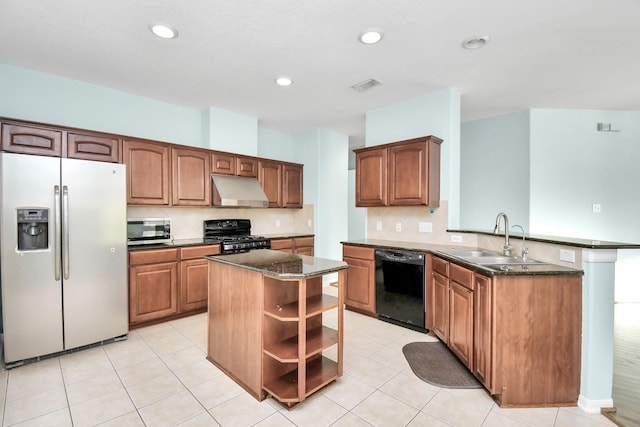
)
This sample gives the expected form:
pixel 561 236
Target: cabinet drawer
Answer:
pixel 198 251
pixel 279 244
pixel 303 241
pixel 153 256
pixel 440 265
pixel 358 252
pixel 461 275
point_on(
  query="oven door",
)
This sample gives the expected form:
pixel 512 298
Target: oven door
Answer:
pixel 400 288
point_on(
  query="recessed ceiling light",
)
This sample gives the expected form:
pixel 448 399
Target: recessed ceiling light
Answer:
pixel 284 81
pixel 164 31
pixel 370 36
pixel 475 42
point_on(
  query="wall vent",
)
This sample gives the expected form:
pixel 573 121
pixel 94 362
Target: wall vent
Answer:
pixel 365 85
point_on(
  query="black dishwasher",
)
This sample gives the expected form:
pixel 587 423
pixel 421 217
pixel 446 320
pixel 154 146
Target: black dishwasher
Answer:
pixel 400 288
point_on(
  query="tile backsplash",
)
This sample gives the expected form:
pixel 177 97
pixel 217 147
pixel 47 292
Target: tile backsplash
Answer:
pixel 403 223
pixel 186 223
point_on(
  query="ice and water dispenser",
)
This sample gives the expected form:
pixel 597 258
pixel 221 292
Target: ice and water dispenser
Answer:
pixel 33 229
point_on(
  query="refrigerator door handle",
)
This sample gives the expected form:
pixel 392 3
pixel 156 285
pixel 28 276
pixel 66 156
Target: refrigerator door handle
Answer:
pixel 65 231
pixel 56 247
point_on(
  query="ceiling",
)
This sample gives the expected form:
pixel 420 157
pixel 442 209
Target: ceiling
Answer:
pixel 578 54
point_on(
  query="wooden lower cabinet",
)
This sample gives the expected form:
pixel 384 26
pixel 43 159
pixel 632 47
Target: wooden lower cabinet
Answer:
pixel 194 276
pixel 287 375
pixel 266 332
pixel 461 323
pixel 535 345
pixel 360 293
pixel 304 246
pixel 453 308
pixel 296 245
pixel 482 330
pixel 153 285
pixel 167 283
pixel 520 335
pixel 441 306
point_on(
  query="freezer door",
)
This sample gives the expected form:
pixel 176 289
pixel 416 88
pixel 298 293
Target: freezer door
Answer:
pixel 31 297
pixel 95 261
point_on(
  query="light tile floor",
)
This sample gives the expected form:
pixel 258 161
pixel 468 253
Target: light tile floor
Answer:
pixel 159 377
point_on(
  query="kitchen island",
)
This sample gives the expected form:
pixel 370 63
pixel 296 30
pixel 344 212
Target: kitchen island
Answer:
pixel 261 303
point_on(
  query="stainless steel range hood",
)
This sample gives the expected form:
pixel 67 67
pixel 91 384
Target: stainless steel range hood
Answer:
pixel 237 192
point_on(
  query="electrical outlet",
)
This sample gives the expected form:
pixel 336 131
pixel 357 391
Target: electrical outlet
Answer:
pixel 379 226
pixel 425 227
pixel 398 226
pixel 309 223
pixel 277 223
pixel 566 255
pixel 456 238
pixel 597 208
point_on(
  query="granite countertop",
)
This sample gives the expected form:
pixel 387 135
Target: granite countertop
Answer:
pixel 491 269
pixel 198 241
pixel 280 264
pixel 569 241
pixel 176 243
pixel 528 269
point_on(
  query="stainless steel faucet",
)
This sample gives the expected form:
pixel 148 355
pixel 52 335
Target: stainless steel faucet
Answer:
pixel 506 249
pixel 525 250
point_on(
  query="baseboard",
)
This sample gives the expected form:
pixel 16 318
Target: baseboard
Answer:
pixel 593 406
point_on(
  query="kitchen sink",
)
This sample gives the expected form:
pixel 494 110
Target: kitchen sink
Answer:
pixel 466 253
pixel 500 259
pixel 487 257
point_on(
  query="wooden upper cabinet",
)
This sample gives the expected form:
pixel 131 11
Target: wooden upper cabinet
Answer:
pixel 232 164
pixel 246 166
pixel 404 173
pixel 19 138
pixel 270 178
pixel 148 172
pixel 191 170
pixel 223 163
pixel 93 147
pixel 292 190
pixel 407 174
pixel 371 177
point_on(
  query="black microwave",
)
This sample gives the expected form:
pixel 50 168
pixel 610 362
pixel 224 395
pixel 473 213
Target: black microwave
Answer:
pixel 145 231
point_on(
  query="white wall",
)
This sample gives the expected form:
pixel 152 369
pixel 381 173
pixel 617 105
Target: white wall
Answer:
pixel 494 171
pixel 273 144
pixel 228 131
pixel 574 166
pixel 437 114
pixel 570 167
pixel 357 216
pixel 31 95
pixel 326 156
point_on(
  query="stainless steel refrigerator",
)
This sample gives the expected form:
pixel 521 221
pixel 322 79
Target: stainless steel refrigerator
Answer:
pixel 63 257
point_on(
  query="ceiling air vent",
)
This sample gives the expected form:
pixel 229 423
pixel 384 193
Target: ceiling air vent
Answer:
pixel 365 85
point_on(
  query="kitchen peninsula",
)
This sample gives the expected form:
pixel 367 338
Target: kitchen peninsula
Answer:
pixel 261 303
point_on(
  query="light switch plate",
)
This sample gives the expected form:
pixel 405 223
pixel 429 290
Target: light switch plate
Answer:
pixel 425 227
pixel 566 255
pixel 456 238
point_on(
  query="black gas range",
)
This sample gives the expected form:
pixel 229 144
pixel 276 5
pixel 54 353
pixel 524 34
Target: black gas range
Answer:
pixel 234 235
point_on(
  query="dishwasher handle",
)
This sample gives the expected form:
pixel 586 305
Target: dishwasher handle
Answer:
pixel 401 257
